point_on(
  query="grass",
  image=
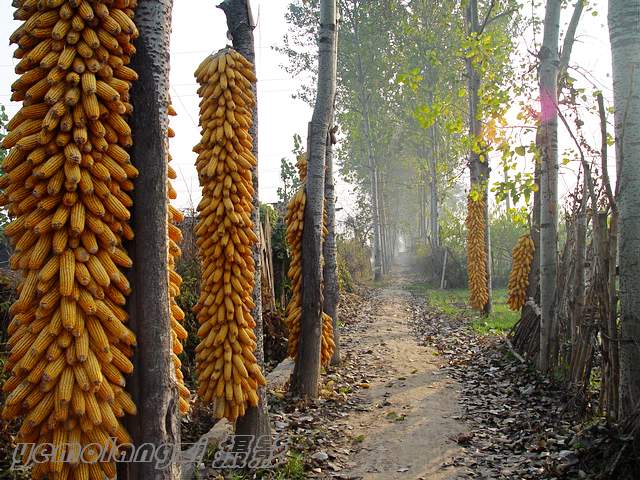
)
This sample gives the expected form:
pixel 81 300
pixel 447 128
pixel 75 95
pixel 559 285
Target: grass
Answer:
pixel 455 302
pixel 293 469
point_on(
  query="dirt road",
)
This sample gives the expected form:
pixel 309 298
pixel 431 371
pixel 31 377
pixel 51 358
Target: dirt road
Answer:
pixel 409 431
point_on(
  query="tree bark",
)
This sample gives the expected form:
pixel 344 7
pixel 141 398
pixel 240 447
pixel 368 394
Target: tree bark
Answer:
pixel 373 169
pixel 549 62
pixel 579 272
pixel 624 32
pixel 153 383
pixel 434 225
pixel 304 381
pixel 478 166
pixel 329 252
pixel 383 228
pixel 256 419
pixel 375 211
pixel 526 334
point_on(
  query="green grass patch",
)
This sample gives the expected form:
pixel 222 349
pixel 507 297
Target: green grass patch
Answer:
pixel 455 302
pixel 293 469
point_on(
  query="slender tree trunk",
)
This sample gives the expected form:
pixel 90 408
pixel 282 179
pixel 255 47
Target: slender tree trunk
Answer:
pixel 304 381
pixel 375 212
pixel 434 225
pixel 256 419
pixel 507 198
pixel 526 336
pixel 383 228
pixel 624 32
pixel 549 62
pixel 579 272
pixel 153 383
pixel 373 173
pixel 478 165
pixel 331 300
pixel 383 250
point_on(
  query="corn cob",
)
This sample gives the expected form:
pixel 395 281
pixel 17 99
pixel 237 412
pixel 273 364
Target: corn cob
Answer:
pixel 67 173
pixel 178 333
pixel 228 372
pixel 295 222
pixel 476 254
pixel 519 277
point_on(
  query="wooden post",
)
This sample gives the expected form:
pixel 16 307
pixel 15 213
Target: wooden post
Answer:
pixel 153 383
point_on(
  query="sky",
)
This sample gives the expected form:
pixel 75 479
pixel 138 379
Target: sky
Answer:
pixel 199 29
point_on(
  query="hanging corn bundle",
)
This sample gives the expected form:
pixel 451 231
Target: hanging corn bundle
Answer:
pixel 476 254
pixel 178 332
pixel 65 181
pixel 228 371
pixel 295 222
pixel 519 277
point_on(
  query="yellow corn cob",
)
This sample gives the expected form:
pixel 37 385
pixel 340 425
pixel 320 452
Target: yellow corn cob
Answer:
pixel 519 277
pixel 75 91
pixel 220 373
pixel 294 220
pixel 476 254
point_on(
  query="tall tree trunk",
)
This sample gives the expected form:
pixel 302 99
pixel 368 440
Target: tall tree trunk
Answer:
pixel 478 166
pixel 624 32
pixel 330 273
pixel 579 272
pixel 526 334
pixel 373 170
pixel 434 226
pixel 383 228
pixel 422 204
pixel 375 211
pixel 304 381
pixel 549 62
pixel 239 22
pixel 153 383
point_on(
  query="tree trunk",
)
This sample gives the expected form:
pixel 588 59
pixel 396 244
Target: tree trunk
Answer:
pixel 624 32
pixel 153 382
pixel 549 62
pixel 373 173
pixel 306 373
pixel 434 228
pixel 383 229
pixel 526 334
pixel 422 204
pixel 330 273
pixel 579 272
pixel 239 22
pixel 478 166
pixel 375 212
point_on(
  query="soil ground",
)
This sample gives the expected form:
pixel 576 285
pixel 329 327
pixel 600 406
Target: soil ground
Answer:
pixel 411 431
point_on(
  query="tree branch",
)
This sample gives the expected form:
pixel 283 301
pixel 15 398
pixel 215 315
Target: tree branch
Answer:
pixel 486 17
pixel 498 17
pixel 569 38
pixel 604 156
pixel 585 164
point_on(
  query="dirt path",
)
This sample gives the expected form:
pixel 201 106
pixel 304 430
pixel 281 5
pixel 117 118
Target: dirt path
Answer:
pixel 408 431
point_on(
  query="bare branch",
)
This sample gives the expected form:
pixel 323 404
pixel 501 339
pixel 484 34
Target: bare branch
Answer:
pixel 604 155
pixel 498 17
pixel 569 38
pixel 583 160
